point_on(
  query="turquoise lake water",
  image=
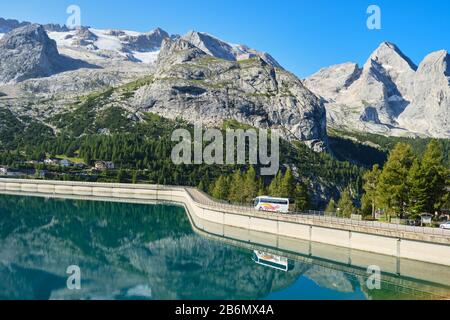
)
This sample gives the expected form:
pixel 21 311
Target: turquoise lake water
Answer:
pixel 135 251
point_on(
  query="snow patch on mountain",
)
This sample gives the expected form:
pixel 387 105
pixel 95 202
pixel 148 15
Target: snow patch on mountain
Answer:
pixel 106 41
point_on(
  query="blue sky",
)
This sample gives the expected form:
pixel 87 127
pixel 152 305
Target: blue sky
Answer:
pixel 303 35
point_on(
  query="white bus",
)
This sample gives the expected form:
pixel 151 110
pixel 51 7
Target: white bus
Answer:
pixel 272 204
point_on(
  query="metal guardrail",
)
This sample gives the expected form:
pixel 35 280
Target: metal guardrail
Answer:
pixel 317 216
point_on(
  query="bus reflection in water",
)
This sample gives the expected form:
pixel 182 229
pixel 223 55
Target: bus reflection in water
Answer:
pixel 272 261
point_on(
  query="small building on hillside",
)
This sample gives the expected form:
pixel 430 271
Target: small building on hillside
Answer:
pixel 80 165
pixel 104 165
pixel 65 163
pixel 51 162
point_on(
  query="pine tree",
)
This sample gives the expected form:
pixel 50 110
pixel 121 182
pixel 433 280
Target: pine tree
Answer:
pixel 275 185
pixel 417 185
pixel 121 176
pixel 201 186
pixel 345 204
pixel 236 185
pixel 435 175
pixel 301 197
pixel 331 207
pixel 220 188
pixel 370 187
pixel 367 206
pixel 287 185
pixel 250 186
pixel 87 157
pixel 134 177
pixel 261 187
pixel 392 189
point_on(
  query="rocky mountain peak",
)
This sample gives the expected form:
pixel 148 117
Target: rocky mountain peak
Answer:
pixel 222 50
pixel 160 32
pixel 175 52
pixel 28 52
pixel 6 25
pixel 384 86
pixel 390 95
pixel 170 46
pixel 210 45
pixel 390 56
pixel 429 111
pixel 83 37
pixel 145 42
pixel 329 82
pixel 437 62
pixel 28 35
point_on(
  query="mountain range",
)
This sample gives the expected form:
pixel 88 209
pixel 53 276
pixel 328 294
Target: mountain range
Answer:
pixel 389 94
pixel 44 70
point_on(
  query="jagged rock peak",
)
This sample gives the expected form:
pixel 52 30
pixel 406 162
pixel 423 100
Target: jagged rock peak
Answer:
pixel 438 61
pixel 28 52
pixel 160 32
pixel 176 51
pixel 429 111
pixel 387 51
pixel 223 50
pixel 329 82
pixel 146 41
pixel 33 34
pixel 171 46
pixel 210 45
pixel 6 25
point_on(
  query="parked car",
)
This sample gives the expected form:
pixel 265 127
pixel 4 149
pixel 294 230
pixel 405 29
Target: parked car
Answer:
pixel 445 225
pixel 413 223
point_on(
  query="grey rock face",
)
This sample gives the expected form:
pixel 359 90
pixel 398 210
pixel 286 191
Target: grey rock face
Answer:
pixel 429 110
pixel 192 85
pixel 223 50
pixel 370 114
pixel 389 95
pixel 145 42
pixel 384 83
pixel 329 82
pixel 177 52
pixel 7 25
pixel 84 37
pixel 53 27
pixel 210 45
pixel 28 52
pixel 242 52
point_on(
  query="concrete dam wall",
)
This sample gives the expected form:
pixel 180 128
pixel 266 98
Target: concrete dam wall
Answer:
pixel 420 244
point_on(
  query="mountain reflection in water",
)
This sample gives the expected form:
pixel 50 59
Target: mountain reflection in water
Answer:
pixel 135 251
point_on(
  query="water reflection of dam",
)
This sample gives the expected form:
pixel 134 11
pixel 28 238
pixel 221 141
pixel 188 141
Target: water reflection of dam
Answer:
pixel 415 278
pixel 421 244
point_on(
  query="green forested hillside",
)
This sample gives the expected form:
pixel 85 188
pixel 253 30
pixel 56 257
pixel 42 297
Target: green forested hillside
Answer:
pixel 141 149
pixel 368 148
pixel 97 129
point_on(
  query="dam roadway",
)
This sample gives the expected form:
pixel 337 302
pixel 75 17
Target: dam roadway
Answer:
pixel 403 242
